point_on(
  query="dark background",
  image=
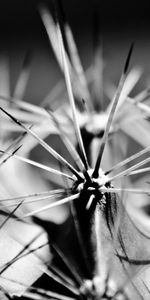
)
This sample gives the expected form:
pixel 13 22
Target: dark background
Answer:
pixel 122 22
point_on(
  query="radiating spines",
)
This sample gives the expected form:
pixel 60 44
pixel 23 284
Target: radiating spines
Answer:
pixel 43 144
pixel 130 159
pixel 128 59
pixel 12 148
pixel 73 152
pixel 77 74
pixel 71 98
pixel 112 112
pixel 56 203
pixel 51 31
pixel 74 57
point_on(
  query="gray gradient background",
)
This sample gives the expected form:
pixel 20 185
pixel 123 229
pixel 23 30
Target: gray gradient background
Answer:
pixel 122 22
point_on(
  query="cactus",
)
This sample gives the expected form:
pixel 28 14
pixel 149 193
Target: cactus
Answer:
pixel 98 248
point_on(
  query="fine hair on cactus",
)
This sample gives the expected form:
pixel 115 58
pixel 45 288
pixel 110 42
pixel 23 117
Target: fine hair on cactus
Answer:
pixel 74 177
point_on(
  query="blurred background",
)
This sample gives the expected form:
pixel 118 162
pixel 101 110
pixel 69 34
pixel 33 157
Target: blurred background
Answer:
pixel 22 31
